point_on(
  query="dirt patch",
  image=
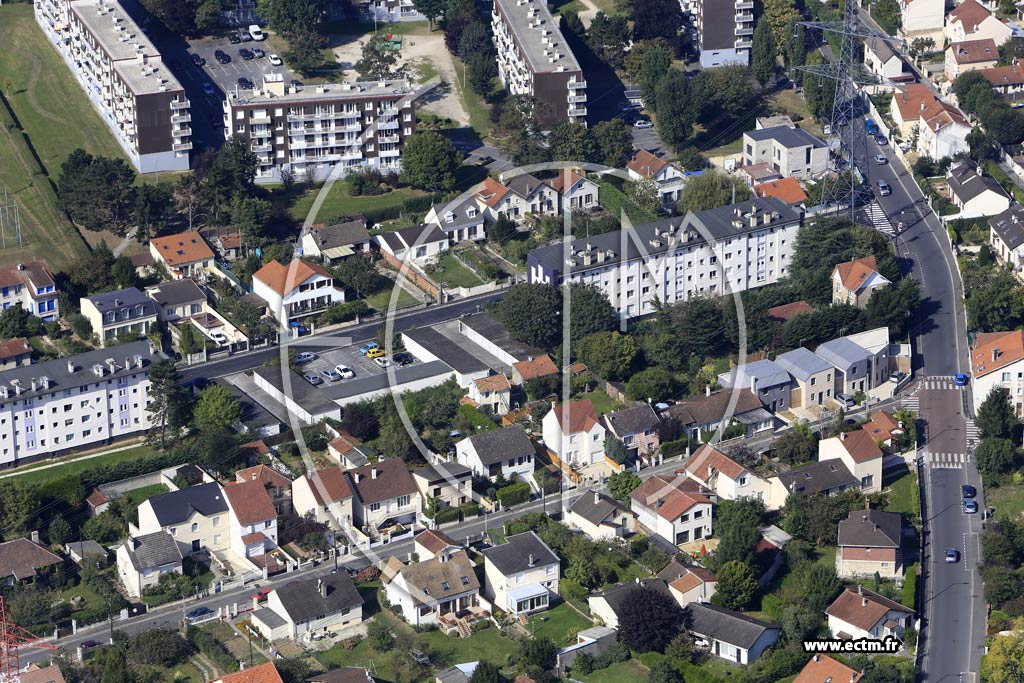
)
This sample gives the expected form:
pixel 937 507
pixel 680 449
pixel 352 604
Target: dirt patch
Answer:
pixel 424 56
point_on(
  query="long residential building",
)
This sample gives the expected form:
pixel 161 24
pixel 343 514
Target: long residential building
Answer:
pixel 309 130
pixel 723 30
pixel 534 59
pixel 125 77
pixel 75 402
pixel 671 260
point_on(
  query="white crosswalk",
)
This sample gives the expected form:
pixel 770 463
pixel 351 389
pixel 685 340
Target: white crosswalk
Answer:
pixel 911 403
pixel 878 218
pixel 973 433
pixel 946 460
pixel 939 383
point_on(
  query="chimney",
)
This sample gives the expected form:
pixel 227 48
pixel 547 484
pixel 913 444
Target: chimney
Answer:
pixel 842 437
pixel 321 588
pixel 860 589
pixel 597 497
pixel 373 473
pixel 707 389
pixel 35 537
pixel 127 362
pixel 71 366
pixel 995 354
pixel 531 560
pixel 112 365
pixel 817 658
pixel 138 360
pixel 863 602
pixel 33 382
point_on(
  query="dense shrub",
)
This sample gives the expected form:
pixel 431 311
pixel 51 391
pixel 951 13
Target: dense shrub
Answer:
pixel 212 648
pixel 514 494
pixel 341 313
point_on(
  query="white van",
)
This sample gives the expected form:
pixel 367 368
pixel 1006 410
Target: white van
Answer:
pixel 256 32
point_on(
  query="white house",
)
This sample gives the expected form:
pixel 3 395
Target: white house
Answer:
pixel 733 636
pixel 142 560
pixel 859 613
pixel 520 575
pixel 574 434
pixel 294 291
pixel 507 451
pixel 461 220
pixel 975 192
pixel 790 150
pixel 1006 239
pixel 668 176
pixel 493 393
pixel 970 55
pixel 861 455
pixel 434 591
pixel 675 508
pixel 575 192
pixel 717 472
pixel 303 607
pixel 922 19
pixel 996 362
pixel 253 521
pixel 419 244
pixel 853 282
pixel 326 495
pixel 31 286
pixel 608 604
pixel 694 584
pixel 970 20
pixel 336 242
pixel 122 313
pixel 879 57
pixel 197 518
pixel 185 255
pixel 385 496
pixel 599 516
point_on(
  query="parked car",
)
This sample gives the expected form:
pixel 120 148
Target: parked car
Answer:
pixel 222 57
pixel 208 88
pixel 260 54
pixel 643 123
pixel 305 357
pixel 345 371
pixel 968 491
pixel 244 35
pixel 312 378
pixel 219 337
pixel 366 348
pixel 870 126
pixel 330 374
pixel 960 380
pixel 256 32
pixel 881 160
pixel 234 38
pixel 376 352
pixel 881 140
pixel 403 358
pixel 275 60
pixel 261 594
pixel 89 644
pixel 952 555
pixel 970 506
pixel 198 612
pixel 198 60
pixel 246 54
pixel 846 400
pixel 245 84
pixel 884 189
pixel 895 376
pixel 381 362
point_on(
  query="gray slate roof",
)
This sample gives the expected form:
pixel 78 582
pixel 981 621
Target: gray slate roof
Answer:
pixel 123 300
pixel 502 444
pixel 62 378
pixel 596 508
pixel 341 234
pixel 766 372
pixel 716 222
pixel 635 420
pixel 843 353
pixel 418 235
pixel 802 363
pixel 871 529
pixel 177 506
pixel 303 601
pixel 442 472
pixel 460 214
pixel 787 136
pixel 175 292
pixel 150 551
pixel 824 475
pixel 881 48
pixel 726 625
pixel 84 548
pixel 967 181
pixel 524 184
pixel 1009 225
pixel 514 555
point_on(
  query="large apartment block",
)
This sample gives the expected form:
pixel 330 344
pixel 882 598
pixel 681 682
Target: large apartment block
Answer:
pixel 388 10
pixel 710 253
pixel 724 30
pixel 125 78
pixel 310 130
pixel 534 59
pixel 74 402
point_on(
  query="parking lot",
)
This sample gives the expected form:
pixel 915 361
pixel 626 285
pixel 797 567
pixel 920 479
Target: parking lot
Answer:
pixel 225 76
pixel 350 356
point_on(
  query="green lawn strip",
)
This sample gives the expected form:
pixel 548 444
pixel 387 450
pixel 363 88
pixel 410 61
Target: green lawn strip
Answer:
pixel 137 496
pixel 997 172
pixel 487 644
pixel 613 200
pixel 479 111
pixel 603 403
pixel 561 8
pixel 186 672
pixel 39 475
pixel 90 598
pixel 453 274
pixel 903 495
pixel 559 624
pixel 339 202
pixel 1007 500
pixel 381 300
pixel 630 670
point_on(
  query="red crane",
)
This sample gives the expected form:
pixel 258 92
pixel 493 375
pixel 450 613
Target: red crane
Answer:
pixel 12 639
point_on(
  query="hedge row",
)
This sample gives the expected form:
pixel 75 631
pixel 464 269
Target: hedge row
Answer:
pixel 212 648
pixel 514 494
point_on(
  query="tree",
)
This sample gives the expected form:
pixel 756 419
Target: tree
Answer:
pixel 292 17
pixel 570 23
pixel 232 172
pixel 994 456
pixel 711 190
pixel 762 54
pixel 216 409
pixel 250 215
pixel 621 484
pixel 794 43
pixel 304 54
pixel 607 37
pixel 633 62
pixel 475 39
pixel 892 307
pixel 538 652
pixel 190 197
pixel 610 355
pixel 158 647
pixel 815 518
pixel 655 65
pixel 614 142
pixel 482 69
pixel 649 620
pixel 570 141
pixel 1004 661
pixel 168 405
pixel 429 160
pixel 996 418
pixel 485 672
pixel 795 448
pixel 379 635
pixel 887 13
pixel 532 314
pixel 208 15
pixel 96 192
pixel 779 14
pixel 216 449
pixel 18 322
pixel 736 586
pixel 152 201
pixel 653 384
pixel 644 193
pixel 819 91
pixel 739 529
pixel 518 131
pixel 360 420
pixel 591 311
pixel 663 672
pixel 59 531
pixel 361 276
pixel 798 623
pixel 656 19
pixel 675 107
pixel 583 571
pixel 431 9
pixel 378 59
pixel 681 649
pixel 123 272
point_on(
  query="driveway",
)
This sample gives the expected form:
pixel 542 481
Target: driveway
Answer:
pixel 225 76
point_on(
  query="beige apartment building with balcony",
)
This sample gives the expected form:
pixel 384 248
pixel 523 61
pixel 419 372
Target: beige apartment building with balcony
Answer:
pixel 534 59
pixel 309 130
pixel 126 79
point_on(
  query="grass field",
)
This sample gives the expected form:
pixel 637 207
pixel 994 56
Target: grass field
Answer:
pixel 340 202
pixel 39 475
pixel 559 624
pixel 794 105
pixel 381 300
pixel 1008 500
pixel 145 493
pixel 57 117
pixel 454 274
pixel 903 495
pixel 630 670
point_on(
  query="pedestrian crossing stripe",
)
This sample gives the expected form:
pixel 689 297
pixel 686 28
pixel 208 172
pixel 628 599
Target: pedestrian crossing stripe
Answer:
pixel 947 460
pixel 934 383
pixel 878 219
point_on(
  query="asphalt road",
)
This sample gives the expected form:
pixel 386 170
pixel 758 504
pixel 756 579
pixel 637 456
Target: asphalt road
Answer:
pixel 952 625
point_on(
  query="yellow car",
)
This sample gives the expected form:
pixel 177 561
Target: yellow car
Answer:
pixel 376 353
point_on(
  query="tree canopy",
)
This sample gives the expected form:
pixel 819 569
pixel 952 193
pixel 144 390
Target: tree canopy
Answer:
pixel 711 190
pixel 429 160
pixel 649 620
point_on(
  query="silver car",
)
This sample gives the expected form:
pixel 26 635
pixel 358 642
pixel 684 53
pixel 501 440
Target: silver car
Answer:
pixel 330 374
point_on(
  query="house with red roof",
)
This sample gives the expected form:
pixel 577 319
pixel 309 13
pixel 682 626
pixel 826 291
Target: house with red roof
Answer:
pixel 575 191
pixel 971 20
pixel 861 455
pixel 253 525
pixel 853 282
pixel 574 434
pixel 997 361
pixel 716 471
pixel 261 673
pixel 674 507
pixel 296 290
pixel 787 189
pixel 325 495
pixel 821 668
pixel 494 393
pixel 668 175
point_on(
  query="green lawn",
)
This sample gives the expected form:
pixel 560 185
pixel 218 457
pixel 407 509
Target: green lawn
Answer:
pixel 794 105
pixel 381 300
pixel 454 274
pixel 559 624
pixel 630 670
pixel 37 475
pixel 1008 500
pixel 91 599
pixel 996 172
pixel 137 496
pixel 339 202
pixel 562 6
pixel 903 495
pixel 603 403
pixel 477 108
pixel 186 673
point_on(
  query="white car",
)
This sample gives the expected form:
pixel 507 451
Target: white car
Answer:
pixel 218 336
pixel 345 371
pixel 275 60
pixel 382 362
pixel 643 123
pixel 880 159
pixel 256 32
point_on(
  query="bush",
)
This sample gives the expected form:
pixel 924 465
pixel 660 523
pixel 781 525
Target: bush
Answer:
pixel 514 494
pixel 212 648
pixel 341 313
pixel 910 587
pixel 618 652
pixel 583 665
pixel 447 515
pixel 418 204
pixel 470 509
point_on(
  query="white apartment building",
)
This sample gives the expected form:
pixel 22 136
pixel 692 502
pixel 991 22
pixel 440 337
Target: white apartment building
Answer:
pixel 31 286
pixel 125 77
pixel 309 130
pixel 671 260
pixel 76 402
pixel 534 59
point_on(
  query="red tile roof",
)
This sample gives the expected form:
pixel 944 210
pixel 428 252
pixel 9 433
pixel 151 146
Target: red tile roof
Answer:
pixel 261 673
pixel 559 182
pixel 853 274
pixel 283 279
pixel 541 366
pixel 576 416
pixel 668 496
pixel 185 247
pixel 995 350
pixel 860 445
pixel 862 608
pixel 692 578
pixel 881 425
pixel 646 164
pixel 492 192
pixel 14 347
pixel 97 498
pixel 787 189
pixel 1005 75
pixel 821 668
pixel 435 541
pixel 37 674
pixel 974 51
pixel 268 476
pixel 497 382
pixel 250 501
pixel 708 459
pixel 329 482
pixel 970 13
pixel 787 311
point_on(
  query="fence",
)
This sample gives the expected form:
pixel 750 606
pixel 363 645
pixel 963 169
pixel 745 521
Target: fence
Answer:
pixel 421 281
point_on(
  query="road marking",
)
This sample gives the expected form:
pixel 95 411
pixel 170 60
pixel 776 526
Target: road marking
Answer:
pixel 950 461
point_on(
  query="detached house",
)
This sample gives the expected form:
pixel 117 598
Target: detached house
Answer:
pixel 717 472
pixel 970 20
pixel 608 604
pixel 296 290
pixel 1006 239
pixel 536 196
pixel 334 243
pixel 970 55
pixel 731 635
pixel 521 575
pixel 507 451
pixel 435 591
pixel 142 560
pixel 813 375
pixel 853 282
pixel 668 176
pixel 825 476
pixel 675 508
pixel 326 495
pixel 785 189
pixel 197 517
pixel 461 220
pixel 879 57
pixel 575 192
pixel 449 483
pixel 533 368
pixel 859 613
pixel 119 313
pixel 278 486
pixel 261 673
pixel 1006 80
pixel 941 128
pixel 997 360
pixel 186 254
pixel 22 559
pixel 694 584
pixel 636 428
pixel 419 244
pixel 599 516
pixel 975 192
pixel 31 286
pixel 493 393
pixel 304 607
pixel 861 455
pixel 869 543
pixel 431 543
pixel 253 522
pixel 790 150
pixel 385 495
pixel 700 417
pixel 573 434
pixel 823 668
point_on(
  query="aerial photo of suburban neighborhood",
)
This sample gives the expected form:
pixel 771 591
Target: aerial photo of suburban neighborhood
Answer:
pixel 511 341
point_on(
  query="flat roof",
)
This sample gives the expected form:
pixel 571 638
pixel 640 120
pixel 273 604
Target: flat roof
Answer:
pixel 530 32
pixel 372 383
pixel 446 350
pixel 310 94
pixel 312 399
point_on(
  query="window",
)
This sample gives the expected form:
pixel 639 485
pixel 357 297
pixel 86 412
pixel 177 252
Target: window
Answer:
pixel 446 586
pixel 195 527
pixel 520 577
pixel 174 531
pixel 374 507
pixel 403 501
pixel 697 514
pixel 216 521
pixel 550 569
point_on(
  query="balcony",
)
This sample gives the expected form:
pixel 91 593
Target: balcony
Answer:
pixel 253 120
pixel 182 146
pixel 350 128
pixel 182 132
pixel 181 118
pixel 387 138
pixel 744 5
pixel 577 111
pixel 180 104
pixel 744 17
pixel 351 156
pixel 575 99
pixel 744 31
pixel 577 85
pixel 742 44
pixel 390 153
pixel 387 125
pixel 388 111
pixel 266 147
